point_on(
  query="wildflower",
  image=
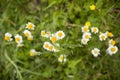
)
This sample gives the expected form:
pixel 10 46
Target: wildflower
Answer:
pixel 60 34
pixel 92 7
pixel 30 38
pixel 51 47
pixel 62 58
pixel 53 38
pixel 27 33
pixel 86 35
pixel 87 24
pixel 8 37
pixel 85 29
pixel 111 42
pixel 20 45
pixel 46 45
pixel 48 34
pixel 102 36
pixel 95 52
pixel 112 50
pixel 30 26
pixel 32 52
pixel 43 33
pixel 18 38
pixel 95 30
pixel 84 41
pixel 109 34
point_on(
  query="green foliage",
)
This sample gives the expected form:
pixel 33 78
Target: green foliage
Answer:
pixel 54 15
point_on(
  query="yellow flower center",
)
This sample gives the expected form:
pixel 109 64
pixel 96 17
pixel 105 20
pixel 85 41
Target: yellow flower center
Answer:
pixel 85 29
pixel 103 37
pixel 95 30
pixel 113 49
pixel 20 45
pixel 87 36
pixel 30 38
pixel 60 34
pixel 43 33
pixel 53 38
pixel 62 58
pixel 110 34
pixel 87 24
pixel 26 34
pixel 7 38
pixel 32 54
pixel 95 52
pixel 46 45
pixel 30 26
pixel 50 48
pixel 17 39
pixel 113 42
pixel 92 7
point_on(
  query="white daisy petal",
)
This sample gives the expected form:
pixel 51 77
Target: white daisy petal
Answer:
pixel 95 30
pixel 30 26
pixel 8 37
pixel 95 52
pixel 102 36
pixel 60 34
pixel 62 58
pixel 18 38
pixel 112 50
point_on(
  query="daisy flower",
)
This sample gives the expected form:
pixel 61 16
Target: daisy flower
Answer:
pixel 84 41
pixel 102 36
pixel 85 29
pixel 27 33
pixel 62 58
pixel 8 37
pixel 112 50
pixel 95 52
pixel 87 24
pixel 43 33
pixel 111 42
pixel 109 34
pixel 60 34
pixel 94 30
pixel 18 38
pixel 86 35
pixel 92 7
pixel 46 45
pixel 53 38
pixel 48 34
pixel 30 26
pixel 30 38
pixel 51 47
pixel 32 52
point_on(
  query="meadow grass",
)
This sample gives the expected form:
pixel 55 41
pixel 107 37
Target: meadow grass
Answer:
pixel 74 60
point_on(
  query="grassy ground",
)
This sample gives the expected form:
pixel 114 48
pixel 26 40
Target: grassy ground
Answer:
pixel 54 15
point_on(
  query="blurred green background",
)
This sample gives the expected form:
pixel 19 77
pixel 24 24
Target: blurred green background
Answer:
pixel 54 15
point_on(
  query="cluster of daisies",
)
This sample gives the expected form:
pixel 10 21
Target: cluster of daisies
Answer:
pixel 53 38
pixel 53 46
pixel 18 38
pixel 112 49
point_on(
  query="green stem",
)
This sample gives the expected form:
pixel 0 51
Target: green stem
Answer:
pixel 18 72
